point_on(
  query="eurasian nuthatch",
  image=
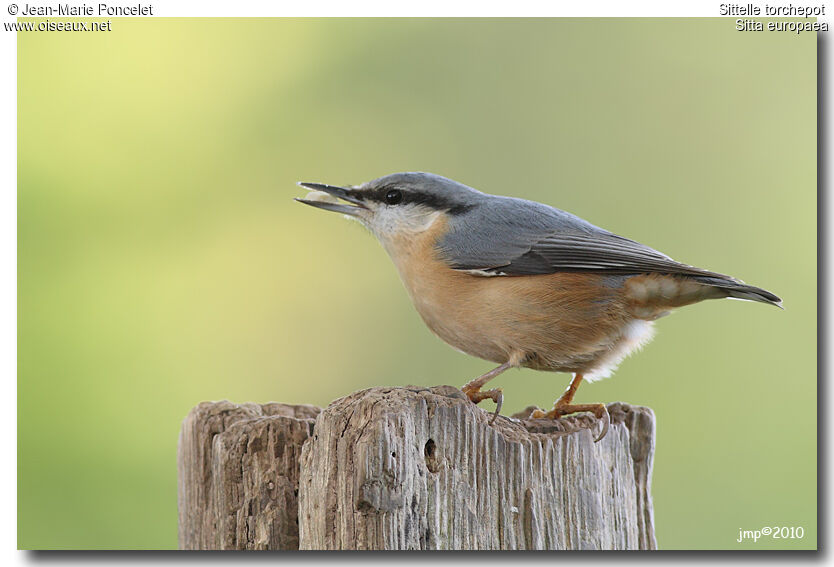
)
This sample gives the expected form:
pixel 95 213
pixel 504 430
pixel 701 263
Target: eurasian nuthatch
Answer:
pixel 520 283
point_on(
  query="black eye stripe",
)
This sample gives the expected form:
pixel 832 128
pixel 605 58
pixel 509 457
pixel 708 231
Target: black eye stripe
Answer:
pixel 409 196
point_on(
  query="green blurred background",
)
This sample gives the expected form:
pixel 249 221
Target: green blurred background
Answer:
pixel 162 261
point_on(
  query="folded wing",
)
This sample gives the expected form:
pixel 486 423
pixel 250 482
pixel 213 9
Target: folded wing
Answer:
pixel 521 238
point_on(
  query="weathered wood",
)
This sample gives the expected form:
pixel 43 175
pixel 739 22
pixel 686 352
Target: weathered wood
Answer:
pixel 421 468
pixel 412 468
pixel 238 475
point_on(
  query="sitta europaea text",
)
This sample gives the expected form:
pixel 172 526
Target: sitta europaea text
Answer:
pixel 520 283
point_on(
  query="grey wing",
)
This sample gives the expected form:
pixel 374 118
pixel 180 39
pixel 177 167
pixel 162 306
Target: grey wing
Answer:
pixel 601 252
pixel 515 237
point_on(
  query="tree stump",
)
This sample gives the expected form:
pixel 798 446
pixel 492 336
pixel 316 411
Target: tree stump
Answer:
pixel 413 468
pixel 238 475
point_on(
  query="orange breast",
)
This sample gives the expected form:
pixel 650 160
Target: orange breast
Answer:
pixel 564 321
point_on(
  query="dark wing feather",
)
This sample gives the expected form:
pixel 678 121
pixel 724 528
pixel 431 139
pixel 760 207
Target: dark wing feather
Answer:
pixel 593 252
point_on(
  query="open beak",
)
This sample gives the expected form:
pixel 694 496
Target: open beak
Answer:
pixel 340 192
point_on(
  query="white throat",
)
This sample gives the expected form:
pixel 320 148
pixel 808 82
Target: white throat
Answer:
pixel 394 223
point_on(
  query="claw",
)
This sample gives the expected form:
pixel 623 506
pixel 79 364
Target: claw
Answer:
pixel 496 395
pixel 606 417
pixel 498 403
pixel 559 410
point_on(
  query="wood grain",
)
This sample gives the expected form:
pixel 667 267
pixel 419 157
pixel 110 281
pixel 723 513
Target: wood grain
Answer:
pixel 412 468
pixel 421 468
pixel 238 475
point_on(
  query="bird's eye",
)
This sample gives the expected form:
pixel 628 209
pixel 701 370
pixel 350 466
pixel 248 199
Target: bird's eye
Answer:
pixel 393 196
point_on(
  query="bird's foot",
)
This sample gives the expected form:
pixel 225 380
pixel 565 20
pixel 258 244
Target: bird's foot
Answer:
pixel 599 410
pixel 496 395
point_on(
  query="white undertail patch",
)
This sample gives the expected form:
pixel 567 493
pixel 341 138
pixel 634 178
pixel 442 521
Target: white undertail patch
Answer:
pixel 635 335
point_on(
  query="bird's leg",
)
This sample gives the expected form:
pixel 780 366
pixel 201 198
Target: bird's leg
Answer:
pixel 473 391
pixel 563 406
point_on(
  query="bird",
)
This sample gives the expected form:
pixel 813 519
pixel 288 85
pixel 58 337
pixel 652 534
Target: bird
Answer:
pixel 523 284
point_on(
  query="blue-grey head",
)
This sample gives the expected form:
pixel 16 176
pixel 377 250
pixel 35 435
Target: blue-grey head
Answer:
pixel 398 204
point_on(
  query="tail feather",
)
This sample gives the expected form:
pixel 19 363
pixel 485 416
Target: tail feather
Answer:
pixel 755 294
pixel 740 290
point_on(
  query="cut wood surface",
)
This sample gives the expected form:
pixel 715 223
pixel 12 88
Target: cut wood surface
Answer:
pixel 412 468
